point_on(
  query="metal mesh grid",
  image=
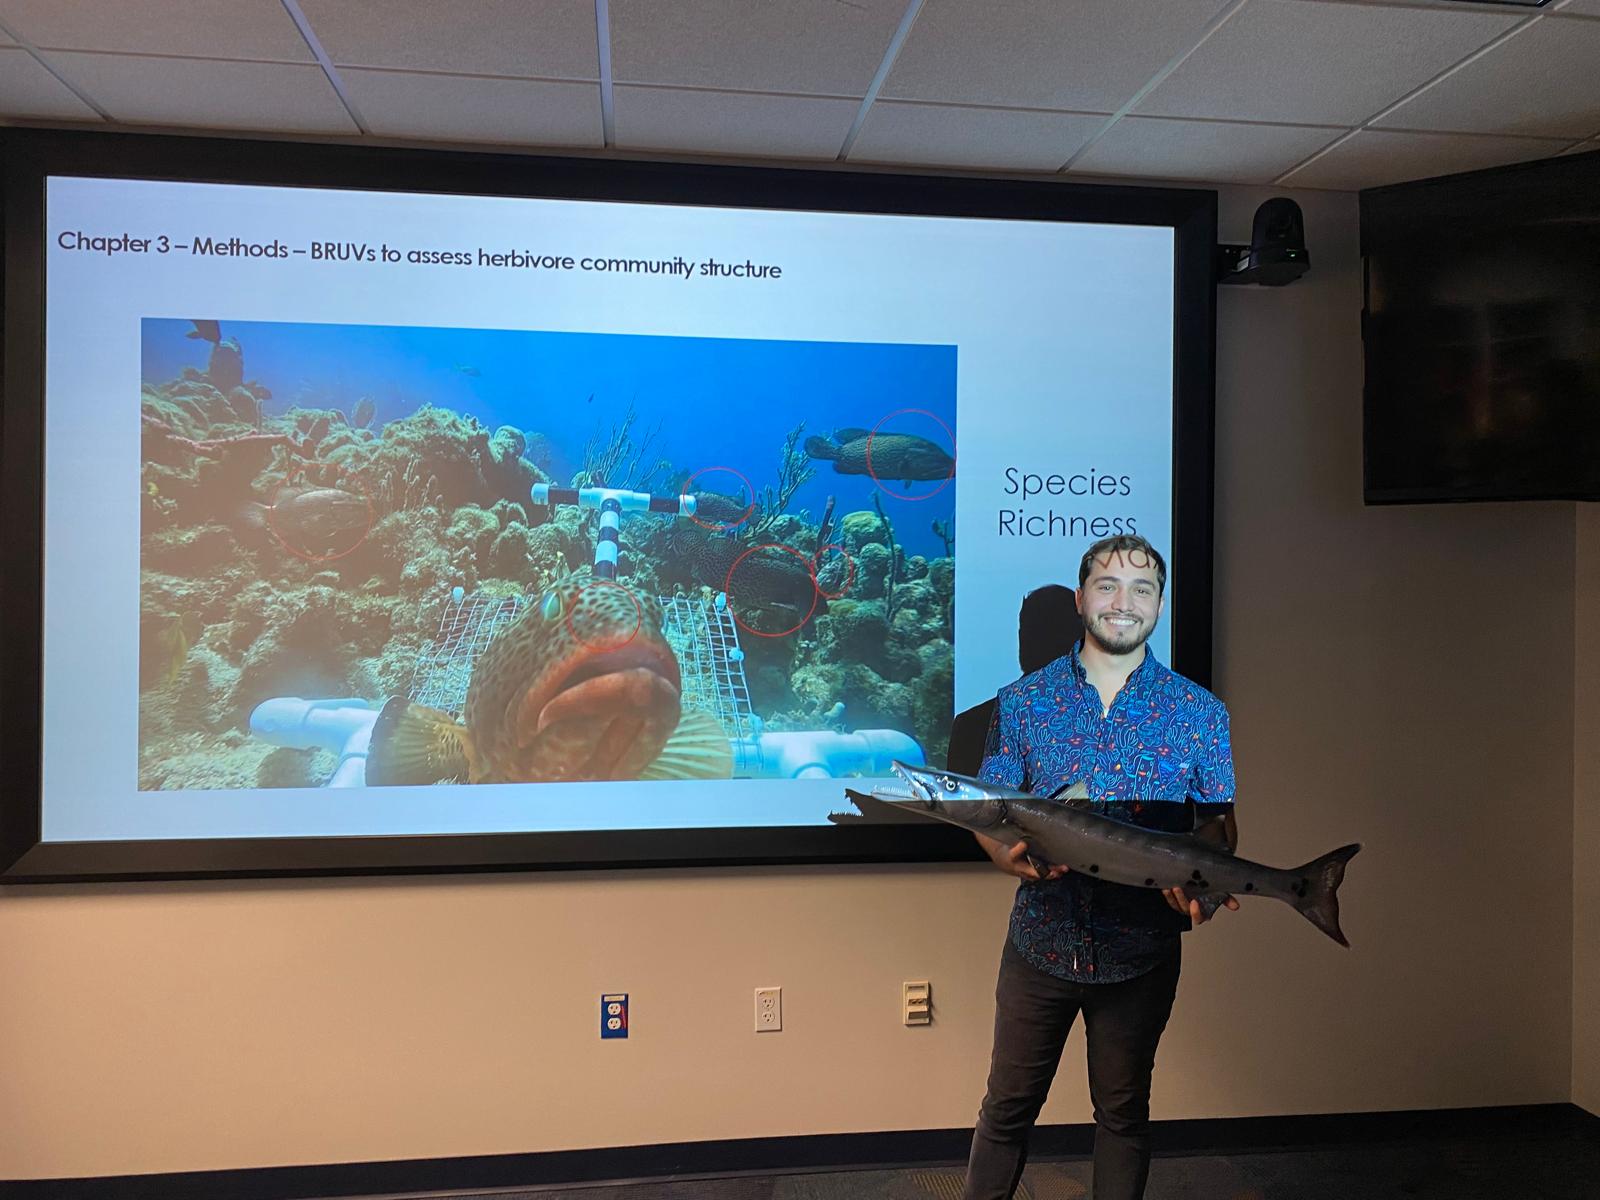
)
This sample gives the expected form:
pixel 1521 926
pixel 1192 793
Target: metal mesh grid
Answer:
pixel 706 641
pixel 704 637
pixel 465 629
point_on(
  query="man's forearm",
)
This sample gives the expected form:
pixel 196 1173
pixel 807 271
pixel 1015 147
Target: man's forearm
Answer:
pixel 997 851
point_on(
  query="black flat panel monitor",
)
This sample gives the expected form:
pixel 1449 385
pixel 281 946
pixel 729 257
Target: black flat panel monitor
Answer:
pixel 379 510
pixel 1482 335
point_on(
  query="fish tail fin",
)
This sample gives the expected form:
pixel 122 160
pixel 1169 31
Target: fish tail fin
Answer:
pixel 1318 890
pixel 821 448
pixel 413 744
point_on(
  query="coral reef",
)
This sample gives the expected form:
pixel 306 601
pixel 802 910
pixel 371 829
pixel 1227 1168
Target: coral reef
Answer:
pixel 236 608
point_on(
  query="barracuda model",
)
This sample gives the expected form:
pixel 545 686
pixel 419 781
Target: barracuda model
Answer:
pixel 1063 831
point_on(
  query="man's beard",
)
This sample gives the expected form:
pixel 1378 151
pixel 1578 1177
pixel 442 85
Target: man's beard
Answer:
pixel 1127 641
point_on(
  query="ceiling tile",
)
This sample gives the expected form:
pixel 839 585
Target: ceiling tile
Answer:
pixel 1541 80
pixel 247 29
pixel 1210 150
pixel 5 39
pixel 1086 56
pixel 552 39
pixel 821 47
pixel 28 90
pixel 460 108
pixel 996 138
pixel 731 123
pixel 206 94
pixel 1374 157
pixel 1303 62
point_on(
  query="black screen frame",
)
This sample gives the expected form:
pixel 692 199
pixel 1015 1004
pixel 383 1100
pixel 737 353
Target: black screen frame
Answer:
pixel 28 157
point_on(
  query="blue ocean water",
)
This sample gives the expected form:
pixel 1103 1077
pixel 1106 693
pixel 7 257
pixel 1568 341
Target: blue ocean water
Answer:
pixel 710 402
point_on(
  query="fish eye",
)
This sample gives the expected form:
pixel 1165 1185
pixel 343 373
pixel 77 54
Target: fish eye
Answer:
pixel 949 784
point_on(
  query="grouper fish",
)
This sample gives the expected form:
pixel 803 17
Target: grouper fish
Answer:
pixel 313 520
pixel 1063 831
pixel 766 585
pixel 901 456
pixel 582 685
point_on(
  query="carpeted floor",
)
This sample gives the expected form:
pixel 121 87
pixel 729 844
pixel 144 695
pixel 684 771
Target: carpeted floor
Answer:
pixel 1512 1167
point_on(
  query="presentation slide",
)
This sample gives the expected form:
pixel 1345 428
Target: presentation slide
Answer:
pixel 465 514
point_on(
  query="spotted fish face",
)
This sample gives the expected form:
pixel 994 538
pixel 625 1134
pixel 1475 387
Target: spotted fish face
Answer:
pixel 583 685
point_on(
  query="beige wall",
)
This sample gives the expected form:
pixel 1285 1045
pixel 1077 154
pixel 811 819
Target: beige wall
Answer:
pixel 1586 815
pixel 1375 697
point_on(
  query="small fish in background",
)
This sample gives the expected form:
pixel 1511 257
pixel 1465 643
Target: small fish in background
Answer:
pixel 717 509
pixel 825 526
pixel 583 685
pixel 205 331
pixel 313 520
pixel 471 372
pixel 901 456
pixel 365 409
pixel 164 641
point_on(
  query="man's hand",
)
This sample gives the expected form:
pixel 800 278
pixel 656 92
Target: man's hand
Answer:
pixel 1013 860
pixel 1191 908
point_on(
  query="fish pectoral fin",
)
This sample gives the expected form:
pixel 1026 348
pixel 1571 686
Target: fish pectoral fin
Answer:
pixel 413 744
pixel 1075 795
pixel 697 749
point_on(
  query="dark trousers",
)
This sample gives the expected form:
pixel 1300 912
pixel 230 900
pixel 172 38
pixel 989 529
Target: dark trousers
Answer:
pixel 1033 1015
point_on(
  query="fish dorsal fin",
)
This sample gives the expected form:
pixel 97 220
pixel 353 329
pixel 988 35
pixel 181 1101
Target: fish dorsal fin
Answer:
pixel 844 436
pixel 1074 795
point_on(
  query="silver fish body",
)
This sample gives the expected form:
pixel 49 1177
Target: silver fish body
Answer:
pixel 1067 833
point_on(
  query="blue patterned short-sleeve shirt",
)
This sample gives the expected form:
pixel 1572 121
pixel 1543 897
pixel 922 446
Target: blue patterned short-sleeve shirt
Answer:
pixel 1162 747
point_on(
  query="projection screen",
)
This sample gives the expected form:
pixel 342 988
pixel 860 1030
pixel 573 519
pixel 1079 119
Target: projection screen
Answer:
pixel 404 511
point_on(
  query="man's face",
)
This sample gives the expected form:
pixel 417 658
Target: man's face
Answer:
pixel 1120 601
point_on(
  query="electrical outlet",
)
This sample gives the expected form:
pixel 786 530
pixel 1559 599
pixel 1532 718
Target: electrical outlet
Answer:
pixel 917 1002
pixel 769 1009
pixel 614 1015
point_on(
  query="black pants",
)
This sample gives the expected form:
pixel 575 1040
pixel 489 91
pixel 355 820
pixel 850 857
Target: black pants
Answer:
pixel 1033 1015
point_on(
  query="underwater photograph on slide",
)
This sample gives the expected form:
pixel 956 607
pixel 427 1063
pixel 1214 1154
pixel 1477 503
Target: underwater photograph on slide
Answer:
pixel 386 555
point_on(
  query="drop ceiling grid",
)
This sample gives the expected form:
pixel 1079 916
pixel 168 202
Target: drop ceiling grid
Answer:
pixel 1371 160
pixel 1178 88
pixel 246 30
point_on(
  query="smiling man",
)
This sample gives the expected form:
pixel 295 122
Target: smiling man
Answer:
pixel 1153 748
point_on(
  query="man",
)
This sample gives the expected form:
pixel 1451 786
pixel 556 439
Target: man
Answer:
pixel 1048 626
pixel 1154 750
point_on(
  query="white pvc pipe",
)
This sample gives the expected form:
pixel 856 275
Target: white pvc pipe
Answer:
pixel 342 727
pixel 826 754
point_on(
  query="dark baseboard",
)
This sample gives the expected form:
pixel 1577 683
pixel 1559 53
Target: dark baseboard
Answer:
pixel 796 1155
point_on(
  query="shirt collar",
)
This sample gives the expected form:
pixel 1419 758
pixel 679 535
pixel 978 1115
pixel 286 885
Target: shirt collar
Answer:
pixel 1139 676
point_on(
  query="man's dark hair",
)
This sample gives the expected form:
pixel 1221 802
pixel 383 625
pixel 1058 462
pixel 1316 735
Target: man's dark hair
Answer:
pixel 1131 546
pixel 1047 626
